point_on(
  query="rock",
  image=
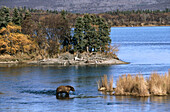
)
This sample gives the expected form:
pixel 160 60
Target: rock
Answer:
pixel 90 61
pixel 80 59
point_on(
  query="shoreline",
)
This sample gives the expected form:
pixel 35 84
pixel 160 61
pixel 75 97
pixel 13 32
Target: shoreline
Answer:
pixel 77 62
pixel 67 62
pixel 71 59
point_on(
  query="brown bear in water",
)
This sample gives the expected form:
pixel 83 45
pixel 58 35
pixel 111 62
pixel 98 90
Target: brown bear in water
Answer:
pixel 64 89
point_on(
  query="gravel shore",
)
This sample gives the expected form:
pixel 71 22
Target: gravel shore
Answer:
pixel 70 59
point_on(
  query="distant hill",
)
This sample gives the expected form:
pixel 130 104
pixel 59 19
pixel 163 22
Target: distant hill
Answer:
pixel 89 6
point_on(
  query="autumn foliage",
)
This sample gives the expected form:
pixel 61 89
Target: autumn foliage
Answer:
pixel 12 41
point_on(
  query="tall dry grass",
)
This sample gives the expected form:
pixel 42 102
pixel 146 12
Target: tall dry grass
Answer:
pixel 105 85
pixel 137 85
pixel 131 85
pixel 168 81
pixel 157 84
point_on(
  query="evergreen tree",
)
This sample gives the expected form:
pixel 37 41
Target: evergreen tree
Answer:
pixel 4 17
pixel 8 17
pixel 16 17
pixel 78 40
pixel 27 15
pixel 91 34
pixel 104 32
pixel 88 31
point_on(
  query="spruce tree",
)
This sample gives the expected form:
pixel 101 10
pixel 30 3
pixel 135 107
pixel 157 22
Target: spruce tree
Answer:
pixel 88 32
pixel 91 34
pixel 103 33
pixel 27 15
pixel 4 17
pixel 8 17
pixel 78 40
pixel 16 17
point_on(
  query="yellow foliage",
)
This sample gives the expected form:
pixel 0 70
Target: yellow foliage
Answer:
pixel 13 28
pixel 2 30
pixel 13 41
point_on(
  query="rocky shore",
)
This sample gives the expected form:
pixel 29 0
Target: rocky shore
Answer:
pixel 71 59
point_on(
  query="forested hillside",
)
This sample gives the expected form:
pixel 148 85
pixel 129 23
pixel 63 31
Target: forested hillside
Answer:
pixel 89 6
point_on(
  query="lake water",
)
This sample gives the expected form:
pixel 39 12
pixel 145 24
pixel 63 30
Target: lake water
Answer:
pixel 32 88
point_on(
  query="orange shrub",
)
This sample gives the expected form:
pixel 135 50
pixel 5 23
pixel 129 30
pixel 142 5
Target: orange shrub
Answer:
pixel 13 41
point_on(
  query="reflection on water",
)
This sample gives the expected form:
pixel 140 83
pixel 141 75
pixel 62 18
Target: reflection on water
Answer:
pixel 63 98
pixel 151 99
pixel 160 99
pixel 33 88
pixel 132 98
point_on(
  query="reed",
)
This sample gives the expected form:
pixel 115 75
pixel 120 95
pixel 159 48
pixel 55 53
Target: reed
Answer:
pixel 104 82
pixel 110 83
pixel 168 82
pixel 137 85
pixel 141 86
pixel 131 85
pixel 105 85
pixel 158 84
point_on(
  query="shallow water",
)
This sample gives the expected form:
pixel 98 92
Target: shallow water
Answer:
pixel 32 88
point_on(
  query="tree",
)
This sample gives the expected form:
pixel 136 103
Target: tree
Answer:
pixel 103 33
pixel 57 30
pixel 16 17
pixel 28 25
pixel 91 33
pixel 4 17
pixel 78 40
pixel 12 41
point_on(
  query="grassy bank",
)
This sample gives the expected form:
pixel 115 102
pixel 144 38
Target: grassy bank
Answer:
pixel 137 85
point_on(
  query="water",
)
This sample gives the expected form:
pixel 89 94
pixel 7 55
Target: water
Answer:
pixel 32 88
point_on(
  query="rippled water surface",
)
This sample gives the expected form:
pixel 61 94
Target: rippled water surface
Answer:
pixel 32 88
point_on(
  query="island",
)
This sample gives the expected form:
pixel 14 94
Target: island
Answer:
pixel 51 39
